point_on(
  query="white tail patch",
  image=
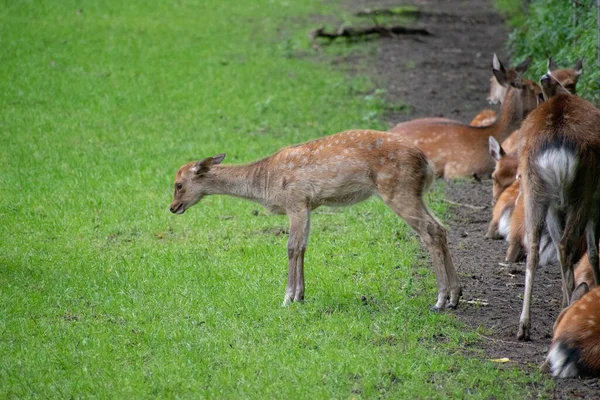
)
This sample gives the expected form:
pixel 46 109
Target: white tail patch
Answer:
pixel 562 363
pixel 558 168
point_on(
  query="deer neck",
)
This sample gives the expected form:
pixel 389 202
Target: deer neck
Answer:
pixel 246 181
pixel 510 116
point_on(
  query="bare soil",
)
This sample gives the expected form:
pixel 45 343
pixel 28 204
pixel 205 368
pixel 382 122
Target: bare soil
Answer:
pixel 447 75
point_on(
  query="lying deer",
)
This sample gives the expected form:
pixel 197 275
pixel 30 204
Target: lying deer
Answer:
pixel 560 173
pixel 499 227
pixel 505 168
pixel 504 190
pixel 497 91
pixel 462 150
pixel 337 170
pixel 575 348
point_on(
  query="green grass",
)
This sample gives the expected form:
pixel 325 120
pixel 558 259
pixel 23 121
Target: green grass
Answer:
pixel 104 293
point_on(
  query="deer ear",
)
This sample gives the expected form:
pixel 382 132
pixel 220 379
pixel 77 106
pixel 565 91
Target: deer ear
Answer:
pixel 496 64
pixel 496 151
pixel 551 65
pixel 579 291
pixel 521 68
pixel 203 166
pixel 579 67
pixel 218 159
pixel 500 75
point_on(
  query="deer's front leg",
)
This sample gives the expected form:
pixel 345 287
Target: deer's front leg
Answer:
pixel 299 230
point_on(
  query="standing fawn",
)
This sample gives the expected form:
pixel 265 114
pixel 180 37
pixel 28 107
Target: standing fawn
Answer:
pixel 462 150
pixel 336 170
pixel 560 174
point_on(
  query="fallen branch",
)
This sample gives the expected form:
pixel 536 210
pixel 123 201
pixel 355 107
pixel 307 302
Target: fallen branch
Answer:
pixel 405 11
pixel 350 32
pixel 472 207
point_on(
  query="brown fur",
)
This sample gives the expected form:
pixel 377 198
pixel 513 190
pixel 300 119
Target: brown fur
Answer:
pixel 505 169
pixel 565 123
pixel 577 328
pixel 462 150
pixel 505 204
pixel 336 170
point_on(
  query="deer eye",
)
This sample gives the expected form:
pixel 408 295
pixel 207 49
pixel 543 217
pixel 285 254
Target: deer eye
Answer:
pixel 178 186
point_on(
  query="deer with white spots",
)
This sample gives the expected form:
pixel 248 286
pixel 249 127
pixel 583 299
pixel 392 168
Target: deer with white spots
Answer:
pixel 459 150
pixel 560 181
pixel 336 170
pixel 575 348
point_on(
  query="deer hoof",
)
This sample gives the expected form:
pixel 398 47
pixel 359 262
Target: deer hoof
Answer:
pixel 523 334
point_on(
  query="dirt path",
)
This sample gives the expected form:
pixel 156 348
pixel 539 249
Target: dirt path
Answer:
pixel 447 75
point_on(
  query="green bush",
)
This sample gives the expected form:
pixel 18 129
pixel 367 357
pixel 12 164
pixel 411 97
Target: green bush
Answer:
pixel 557 29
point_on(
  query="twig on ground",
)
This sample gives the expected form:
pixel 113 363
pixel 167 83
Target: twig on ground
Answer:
pixel 472 207
pixel 350 32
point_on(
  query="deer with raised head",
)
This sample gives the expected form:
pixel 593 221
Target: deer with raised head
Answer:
pixel 560 178
pixel 336 170
pixel 497 91
pixel 459 150
pixel 575 348
pixel 567 77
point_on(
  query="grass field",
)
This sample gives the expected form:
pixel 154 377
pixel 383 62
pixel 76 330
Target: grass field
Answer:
pixel 104 293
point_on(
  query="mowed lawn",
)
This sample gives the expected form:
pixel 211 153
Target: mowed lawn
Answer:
pixel 104 293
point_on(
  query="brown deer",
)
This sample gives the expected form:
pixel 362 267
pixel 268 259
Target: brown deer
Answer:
pixel 567 77
pixel 497 91
pixel 560 178
pixel 505 170
pixel 462 150
pixel 575 348
pixel 517 241
pixel 499 227
pixel 336 170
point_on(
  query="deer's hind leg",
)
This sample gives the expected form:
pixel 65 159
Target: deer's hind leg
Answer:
pixel 412 209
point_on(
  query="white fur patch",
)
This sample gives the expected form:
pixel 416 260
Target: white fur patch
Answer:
pixel 504 223
pixel 558 168
pixel 558 363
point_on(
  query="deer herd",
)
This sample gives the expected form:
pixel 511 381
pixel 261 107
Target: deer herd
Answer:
pixel 542 151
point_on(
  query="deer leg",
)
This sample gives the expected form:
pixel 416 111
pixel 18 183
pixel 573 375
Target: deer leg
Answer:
pixel 299 230
pixel 591 236
pixel 566 250
pixel 433 235
pixel 492 232
pixel 515 249
pixel 556 229
pixel 534 217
